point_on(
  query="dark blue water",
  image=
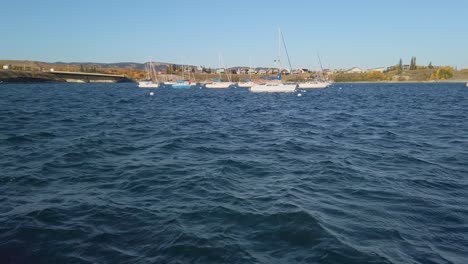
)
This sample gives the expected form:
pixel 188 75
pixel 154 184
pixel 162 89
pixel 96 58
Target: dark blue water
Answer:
pixel 362 173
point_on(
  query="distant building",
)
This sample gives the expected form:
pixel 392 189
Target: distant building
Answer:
pixel 220 71
pixel 379 69
pixel 6 67
pixel 299 71
pixel 354 70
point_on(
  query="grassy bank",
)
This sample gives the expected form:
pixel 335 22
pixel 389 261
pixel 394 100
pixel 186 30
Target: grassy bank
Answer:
pixel 418 75
pixel 26 77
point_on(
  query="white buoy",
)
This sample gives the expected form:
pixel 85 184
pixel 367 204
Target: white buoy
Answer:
pixel 299 95
pixel 151 93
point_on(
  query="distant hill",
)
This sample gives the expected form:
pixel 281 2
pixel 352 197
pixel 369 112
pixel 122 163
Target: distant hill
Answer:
pixel 159 66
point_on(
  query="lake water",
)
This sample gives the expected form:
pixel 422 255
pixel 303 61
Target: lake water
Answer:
pixel 356 173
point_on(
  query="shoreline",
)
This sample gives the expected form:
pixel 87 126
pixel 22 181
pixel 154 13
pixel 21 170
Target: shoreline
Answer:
pixel 392 82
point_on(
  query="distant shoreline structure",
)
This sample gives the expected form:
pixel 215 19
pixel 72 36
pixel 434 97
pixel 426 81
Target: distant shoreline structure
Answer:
pixel 35 71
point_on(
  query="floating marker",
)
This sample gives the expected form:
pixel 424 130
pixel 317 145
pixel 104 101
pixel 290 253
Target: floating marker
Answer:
pixel 151 93
pixel 299 95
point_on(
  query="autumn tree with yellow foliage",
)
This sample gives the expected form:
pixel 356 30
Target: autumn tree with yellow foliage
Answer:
pixel 443 73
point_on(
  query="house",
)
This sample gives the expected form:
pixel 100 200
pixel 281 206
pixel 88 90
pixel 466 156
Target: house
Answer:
pixel 243 70
pixel 379 69
pixel 272 71
pixel 220 71
pixel 6 67
pixel 285 72
pixel 252 71
pixel 354 70
pixel 299 71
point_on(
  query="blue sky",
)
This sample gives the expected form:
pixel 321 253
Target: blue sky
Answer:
pixel 345 33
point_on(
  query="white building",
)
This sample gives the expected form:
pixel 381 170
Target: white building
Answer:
pixel 6 67
pixel 379 69
pixel 354 70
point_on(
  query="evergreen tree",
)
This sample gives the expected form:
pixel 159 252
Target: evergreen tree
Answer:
pixel 413 63
pixel 400 66
pixel 430 65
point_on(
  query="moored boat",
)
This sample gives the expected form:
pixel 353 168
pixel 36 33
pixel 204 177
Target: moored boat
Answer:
pixel 218 85
pixel 245 84
pixel 183 84
pixel 148 84
pixel 150 81
pixel 315 84
pixel 273 88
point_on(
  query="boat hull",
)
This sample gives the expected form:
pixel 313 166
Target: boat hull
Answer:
pixel 218 85
pixel 245 84
pixel 273 88
pixel 181 86
pixel 312 85
pixel 148 84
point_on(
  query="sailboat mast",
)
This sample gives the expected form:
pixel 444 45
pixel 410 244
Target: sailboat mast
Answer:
pixel 219 65
pixel 287 54
pixel 279 50
pixel 321 68
pixel 250 68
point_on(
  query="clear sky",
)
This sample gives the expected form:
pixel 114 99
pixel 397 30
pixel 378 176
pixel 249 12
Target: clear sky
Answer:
pixel 345 33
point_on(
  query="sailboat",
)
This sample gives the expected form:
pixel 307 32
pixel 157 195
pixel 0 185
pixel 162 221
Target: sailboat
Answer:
pixel 319 82
pixel 247 83
pixel 275 85
pixel 218 83
pixel 150 81
pixel 183 83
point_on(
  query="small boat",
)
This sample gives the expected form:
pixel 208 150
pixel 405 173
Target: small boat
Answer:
pixel 467 84
pixel 245 83
pixel 183 84
pixel 274 84
pixel 273 88
pixel 150 81
pixel 314 84
pixel 148 84
pixel 218 84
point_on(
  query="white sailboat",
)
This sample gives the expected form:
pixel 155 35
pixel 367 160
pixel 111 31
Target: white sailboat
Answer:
pixel 319 82
pixel 247 83
pixel 218 83
pixel 275 85
pixel 273 88
pixel 150 81
pixel 314 84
